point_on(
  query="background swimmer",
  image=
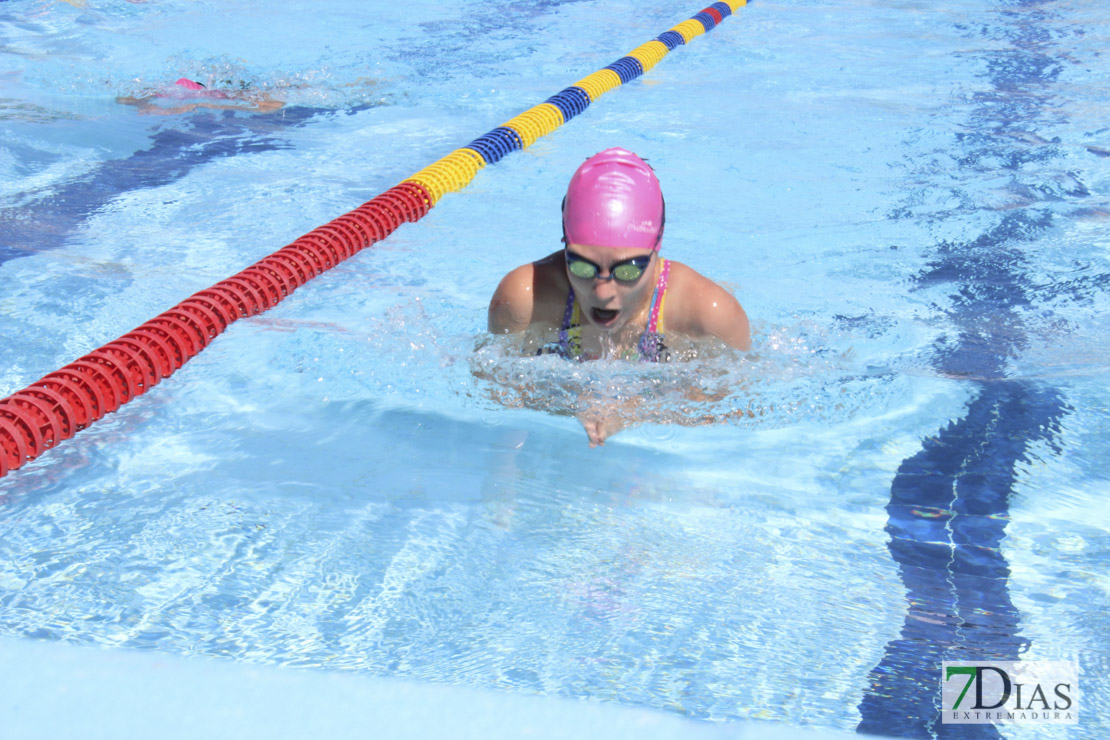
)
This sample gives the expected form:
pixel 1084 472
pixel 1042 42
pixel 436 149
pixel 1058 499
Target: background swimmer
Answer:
pixel 192 95
pixel 608 293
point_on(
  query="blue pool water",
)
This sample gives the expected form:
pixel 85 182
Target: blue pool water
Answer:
pixel 911 200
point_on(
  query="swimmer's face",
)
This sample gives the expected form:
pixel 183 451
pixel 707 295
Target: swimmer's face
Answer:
pixel 610 299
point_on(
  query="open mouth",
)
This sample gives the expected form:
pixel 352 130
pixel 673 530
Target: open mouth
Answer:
pixel 604 316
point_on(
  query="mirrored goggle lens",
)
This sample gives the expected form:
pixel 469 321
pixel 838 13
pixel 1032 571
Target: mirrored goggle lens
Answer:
pixel 581 269
pixel 628 271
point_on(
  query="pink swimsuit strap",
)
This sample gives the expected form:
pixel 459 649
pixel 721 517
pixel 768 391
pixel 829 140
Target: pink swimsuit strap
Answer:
pixel 656 314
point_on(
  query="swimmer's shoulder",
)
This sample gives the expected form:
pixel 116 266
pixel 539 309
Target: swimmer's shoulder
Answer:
pixel 532 294
pixel 696 306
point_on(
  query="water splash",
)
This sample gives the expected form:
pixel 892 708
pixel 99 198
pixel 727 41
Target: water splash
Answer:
pixel 793 373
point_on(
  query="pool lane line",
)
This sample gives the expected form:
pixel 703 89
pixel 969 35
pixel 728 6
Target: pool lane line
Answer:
pixel 172 153
pixel 947 516
pixel 64 402
pixel 949 504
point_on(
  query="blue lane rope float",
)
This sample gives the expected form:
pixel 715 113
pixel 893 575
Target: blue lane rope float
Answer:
pixel 523 130
pixel 570 102
pixel 66 401
pixel 627 68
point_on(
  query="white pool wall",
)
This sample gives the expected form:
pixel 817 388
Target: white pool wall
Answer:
pixel 53 690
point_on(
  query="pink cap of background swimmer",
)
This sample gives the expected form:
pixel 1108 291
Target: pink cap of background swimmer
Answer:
pixel 185 82
pixel 614 200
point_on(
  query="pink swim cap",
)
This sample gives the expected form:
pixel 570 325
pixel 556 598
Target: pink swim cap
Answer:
pixel 614 200
pixel 185 82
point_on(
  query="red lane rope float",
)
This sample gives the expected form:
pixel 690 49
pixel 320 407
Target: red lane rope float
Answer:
pixel 66 401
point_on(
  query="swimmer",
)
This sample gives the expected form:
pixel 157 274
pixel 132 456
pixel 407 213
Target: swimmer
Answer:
pixel 608 293
pixel 242 99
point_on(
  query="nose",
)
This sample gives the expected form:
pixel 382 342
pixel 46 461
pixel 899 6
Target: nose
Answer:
pixel 605 288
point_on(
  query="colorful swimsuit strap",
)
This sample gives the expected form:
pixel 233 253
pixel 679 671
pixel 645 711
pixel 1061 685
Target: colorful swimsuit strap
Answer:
pixel 568 315
pixel 570 334
pixel 655 316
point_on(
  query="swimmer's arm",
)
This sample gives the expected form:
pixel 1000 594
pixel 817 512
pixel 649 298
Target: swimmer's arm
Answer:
pixel 716 312
pixel 510 309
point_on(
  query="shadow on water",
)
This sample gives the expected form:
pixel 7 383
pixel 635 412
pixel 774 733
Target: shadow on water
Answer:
pixel 204 136
pixel 417 455
pixel 950 502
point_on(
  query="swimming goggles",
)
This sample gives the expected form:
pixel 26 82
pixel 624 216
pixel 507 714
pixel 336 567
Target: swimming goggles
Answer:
pixel 625 271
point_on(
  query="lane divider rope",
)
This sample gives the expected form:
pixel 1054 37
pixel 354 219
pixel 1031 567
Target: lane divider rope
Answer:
pixel 59 405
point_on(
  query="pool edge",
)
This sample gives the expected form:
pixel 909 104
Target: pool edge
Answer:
pixel 56 690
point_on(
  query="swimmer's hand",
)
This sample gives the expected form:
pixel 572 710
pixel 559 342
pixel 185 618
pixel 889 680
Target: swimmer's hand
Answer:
pixel 602 420
pixel 600 428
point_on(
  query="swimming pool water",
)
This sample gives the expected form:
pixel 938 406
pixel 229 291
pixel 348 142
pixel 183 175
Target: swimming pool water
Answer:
pixel 909 200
